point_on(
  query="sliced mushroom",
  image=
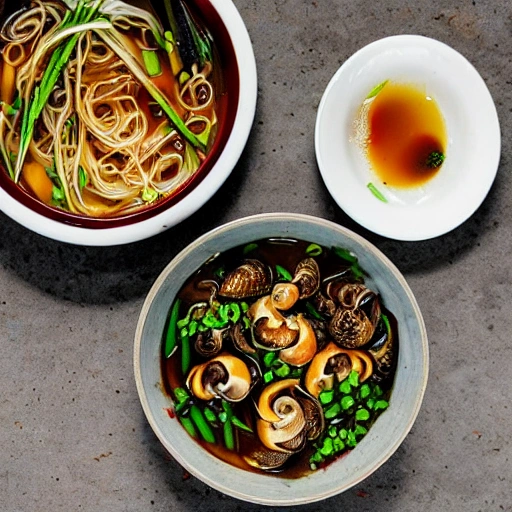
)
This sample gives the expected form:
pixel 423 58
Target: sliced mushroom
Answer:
pixel 333 364
pixel 304 349
pixel 307 277
pixel 285 422
pixel 226 376
pixel 251 279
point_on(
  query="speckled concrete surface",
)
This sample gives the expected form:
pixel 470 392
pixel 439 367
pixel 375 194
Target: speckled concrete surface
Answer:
pixel 72 433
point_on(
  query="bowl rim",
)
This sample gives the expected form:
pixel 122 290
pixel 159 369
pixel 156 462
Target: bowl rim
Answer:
pixel 412 218
pixel 240 224
pixel 152 224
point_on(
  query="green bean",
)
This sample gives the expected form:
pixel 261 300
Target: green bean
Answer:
pixel 185 353
pixel 171 341
pixel 210 415
pixel 229 437
pixel 188 425
pixel 199 420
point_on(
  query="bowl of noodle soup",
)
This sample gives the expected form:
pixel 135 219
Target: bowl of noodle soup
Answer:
pixel 268 434
pixel 120 120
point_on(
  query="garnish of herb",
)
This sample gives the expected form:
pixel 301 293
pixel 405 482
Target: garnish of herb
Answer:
pixel 435 159
pixel 376 192
pixel 376 90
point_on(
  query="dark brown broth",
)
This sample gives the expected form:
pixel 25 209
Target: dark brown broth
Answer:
pixel 287 254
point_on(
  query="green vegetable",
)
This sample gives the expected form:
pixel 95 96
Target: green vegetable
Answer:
pixel 435 159
pixel 209 415
pixel 149 195
pixel 171 334
pixel 283 273
pixel 365 391
pixel 269 358
pixel 185 353
pixel 237 423
pixel 268 376
pixel 347 402
pixel 229 438
pixel 345 254
pixel 380 404
pixel 345 387
pixel 326 397
pixel 332 411
pixel 249 248
pixel 283 371
pixel 180 394
pixel 151 62
pixel 200 422
pixel 327 447
pixel 188 425
pixel 376 90
pixel 313 250
pixel 362 415
pixel 376 192
pixel 353 378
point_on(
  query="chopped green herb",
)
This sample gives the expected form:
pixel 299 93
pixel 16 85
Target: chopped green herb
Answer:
pixel 249 248
pixel 435 159
pixel 376 90
pixel 313 250
pixel 376 192
pixel 283 273
pixel 347 402
pixel 362 415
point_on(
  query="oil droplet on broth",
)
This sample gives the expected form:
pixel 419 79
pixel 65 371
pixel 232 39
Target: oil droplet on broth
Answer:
pixel 404 127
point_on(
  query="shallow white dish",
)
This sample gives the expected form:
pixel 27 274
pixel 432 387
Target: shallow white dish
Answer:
pixel 132 228
pixel 472 155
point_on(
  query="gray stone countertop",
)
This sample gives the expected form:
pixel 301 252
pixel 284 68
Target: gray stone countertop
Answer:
pixel 73 435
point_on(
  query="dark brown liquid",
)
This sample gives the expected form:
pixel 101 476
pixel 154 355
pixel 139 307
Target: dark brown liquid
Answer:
pixel 287 254
pixel 405 127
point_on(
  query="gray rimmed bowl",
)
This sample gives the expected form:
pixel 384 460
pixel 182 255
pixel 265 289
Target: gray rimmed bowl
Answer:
pixel 383 438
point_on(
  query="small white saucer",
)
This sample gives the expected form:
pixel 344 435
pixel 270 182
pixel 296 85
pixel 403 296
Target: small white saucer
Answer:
pixel 474 142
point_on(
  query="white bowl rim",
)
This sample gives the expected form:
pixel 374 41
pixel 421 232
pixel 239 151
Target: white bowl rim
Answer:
pixel 247 494
pixel 418 222
pixel 194 200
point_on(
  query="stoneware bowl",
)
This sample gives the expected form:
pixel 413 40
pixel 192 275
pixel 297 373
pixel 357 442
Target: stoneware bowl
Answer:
pixel 383 438
pixel 236 113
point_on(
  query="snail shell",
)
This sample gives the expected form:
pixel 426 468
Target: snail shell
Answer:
pixel 251 279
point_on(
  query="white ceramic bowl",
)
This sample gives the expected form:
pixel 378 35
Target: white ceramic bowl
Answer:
pixel 382 439
pixel 472 155
pixel 233 39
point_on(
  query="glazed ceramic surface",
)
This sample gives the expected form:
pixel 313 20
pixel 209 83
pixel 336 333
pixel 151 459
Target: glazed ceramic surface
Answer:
pixel 472 153
pixel 383 438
